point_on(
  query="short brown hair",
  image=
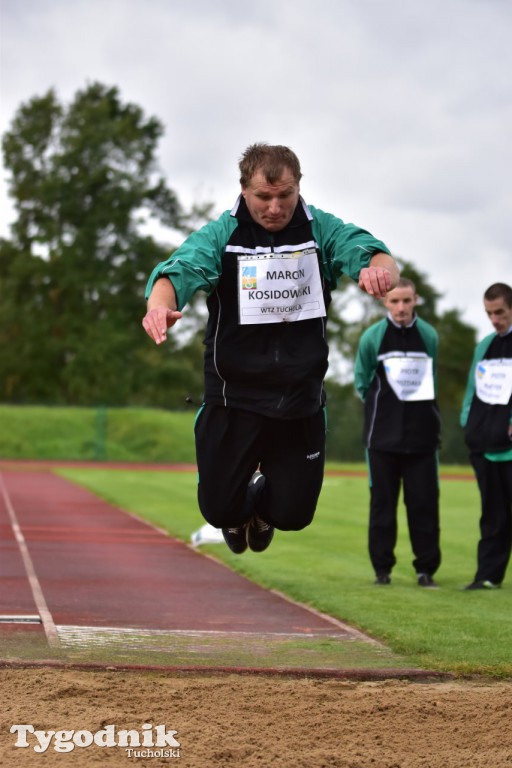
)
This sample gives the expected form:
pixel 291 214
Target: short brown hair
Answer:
pixel 499 291
pixel 271 159
pixel 405 282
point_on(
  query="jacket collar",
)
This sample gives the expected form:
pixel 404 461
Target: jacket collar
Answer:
pixel 397 325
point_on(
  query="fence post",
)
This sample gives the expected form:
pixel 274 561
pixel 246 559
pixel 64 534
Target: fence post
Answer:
pixel 101 434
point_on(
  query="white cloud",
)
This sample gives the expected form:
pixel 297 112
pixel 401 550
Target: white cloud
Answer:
pixel 399 112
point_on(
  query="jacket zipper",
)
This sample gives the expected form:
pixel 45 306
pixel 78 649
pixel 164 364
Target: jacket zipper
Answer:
pixel 277 350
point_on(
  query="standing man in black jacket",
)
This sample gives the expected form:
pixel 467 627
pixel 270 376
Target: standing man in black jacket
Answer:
pixel 268 267
pixel 487 420
pixel 395 375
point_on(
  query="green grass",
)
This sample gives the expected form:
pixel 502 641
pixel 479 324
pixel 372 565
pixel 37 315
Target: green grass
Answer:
pixel 327 566
pixel 138 435
pixel 96 434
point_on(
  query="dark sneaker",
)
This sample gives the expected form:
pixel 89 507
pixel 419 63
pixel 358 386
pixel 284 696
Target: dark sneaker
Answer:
pixel 426 580
pixel 236 538
pixel 255 479
pixel 259 534
pixel 382 579
pixel 485 584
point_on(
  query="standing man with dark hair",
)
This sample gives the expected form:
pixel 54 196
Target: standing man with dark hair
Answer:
pixel 395 375
pixel 268 267
pixel 487 420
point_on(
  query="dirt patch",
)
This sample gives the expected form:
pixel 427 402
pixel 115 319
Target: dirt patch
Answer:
pixel 246 721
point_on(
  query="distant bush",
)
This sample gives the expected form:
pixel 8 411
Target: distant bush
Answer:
pixel 97 434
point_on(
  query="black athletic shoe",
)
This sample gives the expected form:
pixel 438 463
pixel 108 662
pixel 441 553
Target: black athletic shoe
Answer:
pixel 382 579
pixel 484 584
pixel 236 539
pixel 426 580
pixel 259 534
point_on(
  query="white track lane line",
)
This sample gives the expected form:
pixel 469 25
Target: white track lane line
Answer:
pixel 42 608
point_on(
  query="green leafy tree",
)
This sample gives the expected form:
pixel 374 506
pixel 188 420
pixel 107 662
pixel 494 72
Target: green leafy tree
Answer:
pixel 85 185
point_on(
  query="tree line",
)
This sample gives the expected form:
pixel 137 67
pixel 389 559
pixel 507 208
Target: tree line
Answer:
pixel 85 184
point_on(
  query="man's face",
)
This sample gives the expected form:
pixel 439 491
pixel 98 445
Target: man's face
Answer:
pixel 400 303
pixel 272 205
pixel 499 313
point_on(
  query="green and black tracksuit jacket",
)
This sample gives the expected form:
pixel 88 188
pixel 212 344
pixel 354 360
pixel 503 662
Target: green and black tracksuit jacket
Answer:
pixel 486 425
pixel 391 424
pixel 275 369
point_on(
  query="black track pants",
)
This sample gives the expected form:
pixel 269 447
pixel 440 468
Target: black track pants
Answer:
pixel 495 484
pixel 231 443
pixel 418 473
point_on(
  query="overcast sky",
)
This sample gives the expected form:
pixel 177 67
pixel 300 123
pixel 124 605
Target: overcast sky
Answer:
pixel 400 110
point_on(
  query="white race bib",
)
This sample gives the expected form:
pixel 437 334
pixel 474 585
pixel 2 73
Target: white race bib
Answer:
pixel 493 381
pixel 409 376
pixel 276 287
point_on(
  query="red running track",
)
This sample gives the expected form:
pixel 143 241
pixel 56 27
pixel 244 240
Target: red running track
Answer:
pixel 72 559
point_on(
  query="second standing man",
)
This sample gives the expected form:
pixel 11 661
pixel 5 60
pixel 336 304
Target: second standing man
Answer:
pixel 395 375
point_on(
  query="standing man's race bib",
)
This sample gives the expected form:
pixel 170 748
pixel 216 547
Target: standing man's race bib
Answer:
pixel 493 381
pixel 279 286
pixel 410 376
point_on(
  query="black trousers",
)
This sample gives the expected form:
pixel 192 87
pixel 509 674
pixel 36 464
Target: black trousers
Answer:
pixel 418 474
pixel 232 443
pixel 495 484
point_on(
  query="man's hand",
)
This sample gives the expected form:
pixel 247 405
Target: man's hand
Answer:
pixel 162 312
pixel 380 276
pixel 375 280
pixel 158 320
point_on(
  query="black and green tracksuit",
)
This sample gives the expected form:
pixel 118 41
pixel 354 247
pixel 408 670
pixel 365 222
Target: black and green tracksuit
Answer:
pixel 264 395
pixel 487 434
pixel 401 438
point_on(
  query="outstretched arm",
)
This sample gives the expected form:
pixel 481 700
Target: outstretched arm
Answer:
pixel 162 312
pixel 380 276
